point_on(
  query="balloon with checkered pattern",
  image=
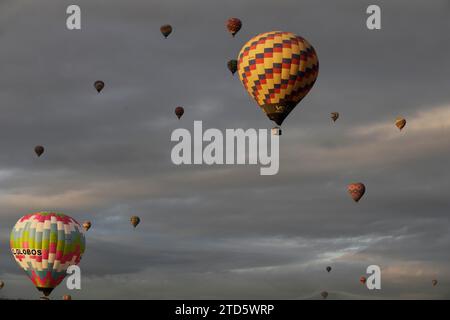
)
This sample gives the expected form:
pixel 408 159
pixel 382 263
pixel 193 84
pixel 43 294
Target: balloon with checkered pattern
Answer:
pixel 278 69
pixel 45 244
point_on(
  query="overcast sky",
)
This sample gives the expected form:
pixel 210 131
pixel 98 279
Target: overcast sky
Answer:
pixel 225 231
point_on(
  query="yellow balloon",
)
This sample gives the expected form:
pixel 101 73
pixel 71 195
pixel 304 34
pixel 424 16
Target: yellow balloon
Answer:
pixel 278 69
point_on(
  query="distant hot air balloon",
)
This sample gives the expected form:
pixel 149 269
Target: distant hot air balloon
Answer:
pixel 363 280
pixel 234 25
pixel 356 190
pixel 400 123
pixel 434 282
pixel 67 297
pixel 45 244
pixel 324 294
pixel 135 221
pixel 179 111
pixel 335 116
pixel 39 150
pixel 232 66
pixel 87 225
pixel 166 30
pixel 278 69
pixel 328 269
pixel 99 85
pixel 2 284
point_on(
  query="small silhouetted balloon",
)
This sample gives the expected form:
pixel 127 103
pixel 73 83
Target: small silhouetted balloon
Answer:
pixel 135 221
pixel 39 150
pixel 179 111
pixel 324 294
pixel 166 30
pixel 328 268
pixel 335 116
pixel 232 66
pixel 99 85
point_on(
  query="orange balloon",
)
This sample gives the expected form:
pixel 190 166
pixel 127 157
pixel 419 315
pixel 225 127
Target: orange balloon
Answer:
pixel 400 123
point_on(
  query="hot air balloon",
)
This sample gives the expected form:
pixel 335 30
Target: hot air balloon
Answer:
pixel 39 150
pixel 356 190
pixel 434 282
pixel 335 116
pixel 232 66
pixel 87 225
pixel 363 280
pixel 324 294
pixel 400 123
pixel 166 30
pixel 179 111
pixel 45 244
pixel 2 284
pixel 328 269
pixel 135 221
pixel 99 85
pixel 67 297
pixel 234 25
pixel 278 69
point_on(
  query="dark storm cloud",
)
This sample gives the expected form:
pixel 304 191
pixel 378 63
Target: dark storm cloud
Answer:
pixel 227 232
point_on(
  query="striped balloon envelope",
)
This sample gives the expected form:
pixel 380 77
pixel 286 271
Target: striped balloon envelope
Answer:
pixel 45 244
pixel 278 69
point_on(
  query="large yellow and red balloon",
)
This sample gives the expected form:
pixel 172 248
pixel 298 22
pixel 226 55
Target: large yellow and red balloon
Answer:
pixel 278 69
